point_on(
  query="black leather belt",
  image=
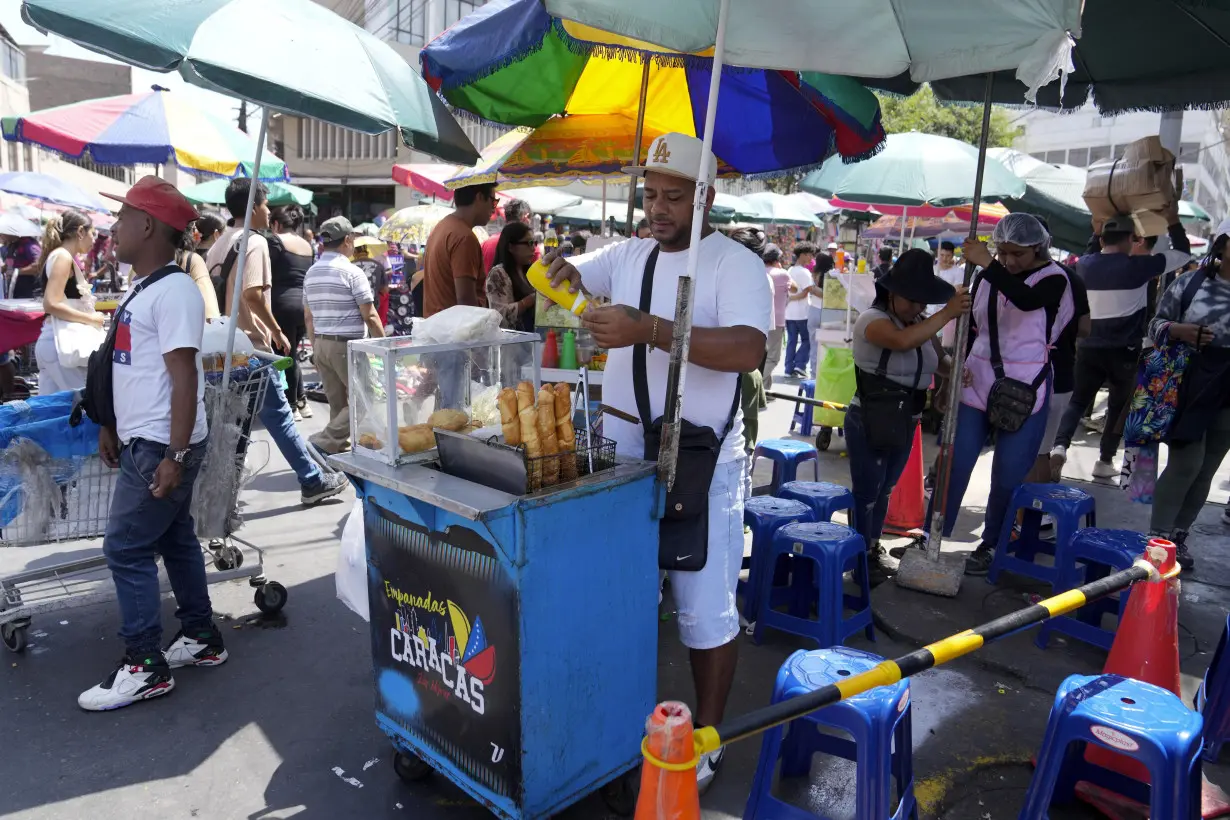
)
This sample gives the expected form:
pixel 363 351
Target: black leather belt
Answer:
pixel 334 337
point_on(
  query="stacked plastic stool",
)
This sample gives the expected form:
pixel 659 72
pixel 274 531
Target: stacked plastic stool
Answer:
pixel 832 549
pixel 878 722
pixel 1139 720
pixel 1067 505
pixel 1092 554
pixel 766 515
pixel 824 498
pixel 1213 699
pixel 802 411
pixel 786 454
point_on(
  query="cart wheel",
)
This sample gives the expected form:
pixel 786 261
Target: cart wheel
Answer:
pixel 14 636
pixel 621 793
pixel 824 438
pixel 228 557
pixel 271 597
pixel 410 768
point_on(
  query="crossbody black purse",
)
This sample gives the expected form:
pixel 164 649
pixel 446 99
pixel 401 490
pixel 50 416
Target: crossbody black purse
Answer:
pixel 1011 401
pixel 889 408
pixel 683 532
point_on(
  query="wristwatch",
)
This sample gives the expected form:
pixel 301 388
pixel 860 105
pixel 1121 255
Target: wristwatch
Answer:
pixel 178 456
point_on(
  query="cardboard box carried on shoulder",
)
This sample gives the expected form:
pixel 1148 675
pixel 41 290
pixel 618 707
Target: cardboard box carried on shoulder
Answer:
pixel 1142 182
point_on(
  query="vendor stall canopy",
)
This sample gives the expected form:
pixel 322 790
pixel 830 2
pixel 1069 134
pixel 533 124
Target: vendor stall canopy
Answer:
pixel 925 40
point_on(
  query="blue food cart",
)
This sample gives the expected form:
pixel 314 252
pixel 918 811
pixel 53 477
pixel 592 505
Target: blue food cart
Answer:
pixel 514 637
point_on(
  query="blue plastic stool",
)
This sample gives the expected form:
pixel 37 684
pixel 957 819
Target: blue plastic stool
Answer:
pixel 879 725
pixel 1067 505
pixel 831 548
pixel 766 515
pixel 803 412
pixel 1135 719
pixel 824 498
pixel 1093 554
pixel 787 454
pixel 1213 699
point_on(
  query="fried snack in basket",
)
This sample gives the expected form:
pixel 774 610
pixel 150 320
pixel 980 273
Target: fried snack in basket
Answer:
pixel 525 397
pixel 508 417
pixel 547 436
pixel 528 422
pixel 416 438
pixel 451 420
pixel 565 433
pixel 370 441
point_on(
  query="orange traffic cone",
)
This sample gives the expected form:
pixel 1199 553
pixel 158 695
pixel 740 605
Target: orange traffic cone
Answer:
pixel 668 778
pixel 1146 648
pixel 907 509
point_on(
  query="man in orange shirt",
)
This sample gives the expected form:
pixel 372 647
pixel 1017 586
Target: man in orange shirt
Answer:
pixel 454 272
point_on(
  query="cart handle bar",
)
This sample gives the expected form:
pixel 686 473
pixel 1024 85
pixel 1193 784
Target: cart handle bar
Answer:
pixel 710 738
pixel 831 405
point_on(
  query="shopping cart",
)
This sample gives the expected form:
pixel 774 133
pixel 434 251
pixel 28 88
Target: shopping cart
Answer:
pixel 86 486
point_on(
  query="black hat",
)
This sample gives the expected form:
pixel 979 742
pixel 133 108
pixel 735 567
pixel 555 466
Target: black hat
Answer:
pixel 913 278
pixel 1120 223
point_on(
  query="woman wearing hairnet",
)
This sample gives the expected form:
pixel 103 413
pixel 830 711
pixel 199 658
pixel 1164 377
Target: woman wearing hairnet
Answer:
pixel 1022 302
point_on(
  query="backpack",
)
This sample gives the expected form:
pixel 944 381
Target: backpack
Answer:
pixel 97 400
pixel 219 272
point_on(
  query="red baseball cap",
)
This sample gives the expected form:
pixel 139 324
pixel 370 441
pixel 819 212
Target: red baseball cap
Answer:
pixel 161 200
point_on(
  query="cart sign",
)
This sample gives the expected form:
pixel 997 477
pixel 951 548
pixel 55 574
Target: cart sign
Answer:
pixel 444 639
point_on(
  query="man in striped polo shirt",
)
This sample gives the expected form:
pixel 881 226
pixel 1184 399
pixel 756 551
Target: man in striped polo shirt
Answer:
pixel 338 306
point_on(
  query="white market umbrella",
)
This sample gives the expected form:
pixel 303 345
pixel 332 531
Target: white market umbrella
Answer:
pixel 543 199
pixel 779 209
pixel 12 224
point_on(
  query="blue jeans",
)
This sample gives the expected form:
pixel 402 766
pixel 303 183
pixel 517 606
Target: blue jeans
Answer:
pixel 141 528
pixel 1014 458
pixel 798 345
pixel 275 414
pixel 813 325
pixel 873 474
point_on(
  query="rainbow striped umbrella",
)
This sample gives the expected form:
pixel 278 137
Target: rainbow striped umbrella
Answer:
pixel 512 63
pixel 154 127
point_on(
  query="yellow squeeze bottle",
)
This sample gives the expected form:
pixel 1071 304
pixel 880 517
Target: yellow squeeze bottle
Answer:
pixel 541 280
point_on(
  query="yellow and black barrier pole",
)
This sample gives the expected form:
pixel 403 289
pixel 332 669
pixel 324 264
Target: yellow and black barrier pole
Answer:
pixel 710 738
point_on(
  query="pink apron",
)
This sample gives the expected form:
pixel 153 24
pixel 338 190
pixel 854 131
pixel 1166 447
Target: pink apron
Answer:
pixel 1023 342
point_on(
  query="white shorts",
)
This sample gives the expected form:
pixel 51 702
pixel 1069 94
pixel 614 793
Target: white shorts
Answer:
pixel 1058 406
pixel 705 600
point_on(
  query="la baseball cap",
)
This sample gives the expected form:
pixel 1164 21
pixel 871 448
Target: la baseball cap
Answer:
pixel 675 154
pixel 161 200
pixel 335 229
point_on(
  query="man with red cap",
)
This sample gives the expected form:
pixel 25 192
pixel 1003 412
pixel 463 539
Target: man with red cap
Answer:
pixel 157 443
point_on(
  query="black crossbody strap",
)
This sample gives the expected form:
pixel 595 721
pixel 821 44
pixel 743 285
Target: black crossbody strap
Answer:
pixel 885 354
pixel 997 361
pixel 640 381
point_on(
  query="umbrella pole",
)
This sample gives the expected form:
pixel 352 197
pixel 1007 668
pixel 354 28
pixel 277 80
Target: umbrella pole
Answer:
pixel 636 145
pixel 241 260
pixel 949 433
pixel 682 337
pixel 604 225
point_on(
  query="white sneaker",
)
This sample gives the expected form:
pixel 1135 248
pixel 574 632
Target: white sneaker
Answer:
pixel 203 649
pixel 296 415
pixel 1104 469
pixel 707 769
pixel 130 682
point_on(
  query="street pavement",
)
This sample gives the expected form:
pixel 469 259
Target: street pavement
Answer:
pixel 286 729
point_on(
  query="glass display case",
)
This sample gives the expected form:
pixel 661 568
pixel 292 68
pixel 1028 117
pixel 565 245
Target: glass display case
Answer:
pixel 400 390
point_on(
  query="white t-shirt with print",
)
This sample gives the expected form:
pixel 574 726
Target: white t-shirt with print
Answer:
pixel 167 315
pixel 729 291
pixel 797 308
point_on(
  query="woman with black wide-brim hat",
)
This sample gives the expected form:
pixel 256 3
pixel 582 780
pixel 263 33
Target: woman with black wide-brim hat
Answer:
pixel 896 353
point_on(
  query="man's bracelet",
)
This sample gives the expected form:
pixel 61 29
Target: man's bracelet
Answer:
pixel 653 338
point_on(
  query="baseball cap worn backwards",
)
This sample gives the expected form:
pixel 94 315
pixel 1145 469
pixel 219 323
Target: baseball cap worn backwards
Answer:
pixel 161 200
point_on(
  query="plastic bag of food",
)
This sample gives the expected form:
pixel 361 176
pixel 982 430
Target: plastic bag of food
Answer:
pixel 351 574
pixel 460 323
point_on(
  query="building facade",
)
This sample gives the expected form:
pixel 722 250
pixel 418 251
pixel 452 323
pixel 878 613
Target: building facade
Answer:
pixel 1085 137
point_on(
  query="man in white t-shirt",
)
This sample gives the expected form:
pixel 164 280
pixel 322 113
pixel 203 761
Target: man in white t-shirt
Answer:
pixel 731 313
pixel 802 286
pixel 953 272
pixel 157 443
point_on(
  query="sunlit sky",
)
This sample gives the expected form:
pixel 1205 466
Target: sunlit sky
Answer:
pixel 10 17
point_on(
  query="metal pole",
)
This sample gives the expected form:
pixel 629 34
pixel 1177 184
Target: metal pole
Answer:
pixel 682 337
pixel 241 260
pixel 949 433
pixel 602 231
pixel 636 143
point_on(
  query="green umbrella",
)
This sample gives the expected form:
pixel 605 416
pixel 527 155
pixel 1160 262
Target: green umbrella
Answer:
pixel 1052 192
pixel 1190 212
pixel 280 193
pixel 268 52
pixel 914 169
pixel 778 209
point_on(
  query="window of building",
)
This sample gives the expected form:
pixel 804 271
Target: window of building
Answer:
pixel 28 151
pixel 1079 157
pixel 322 141
pixel 1057 157
pixel 14 162
pixel 454 10
pixel 407 22
pixel 1039 155
pixel 12 61
pixel 1188 151
pixel 1100 152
